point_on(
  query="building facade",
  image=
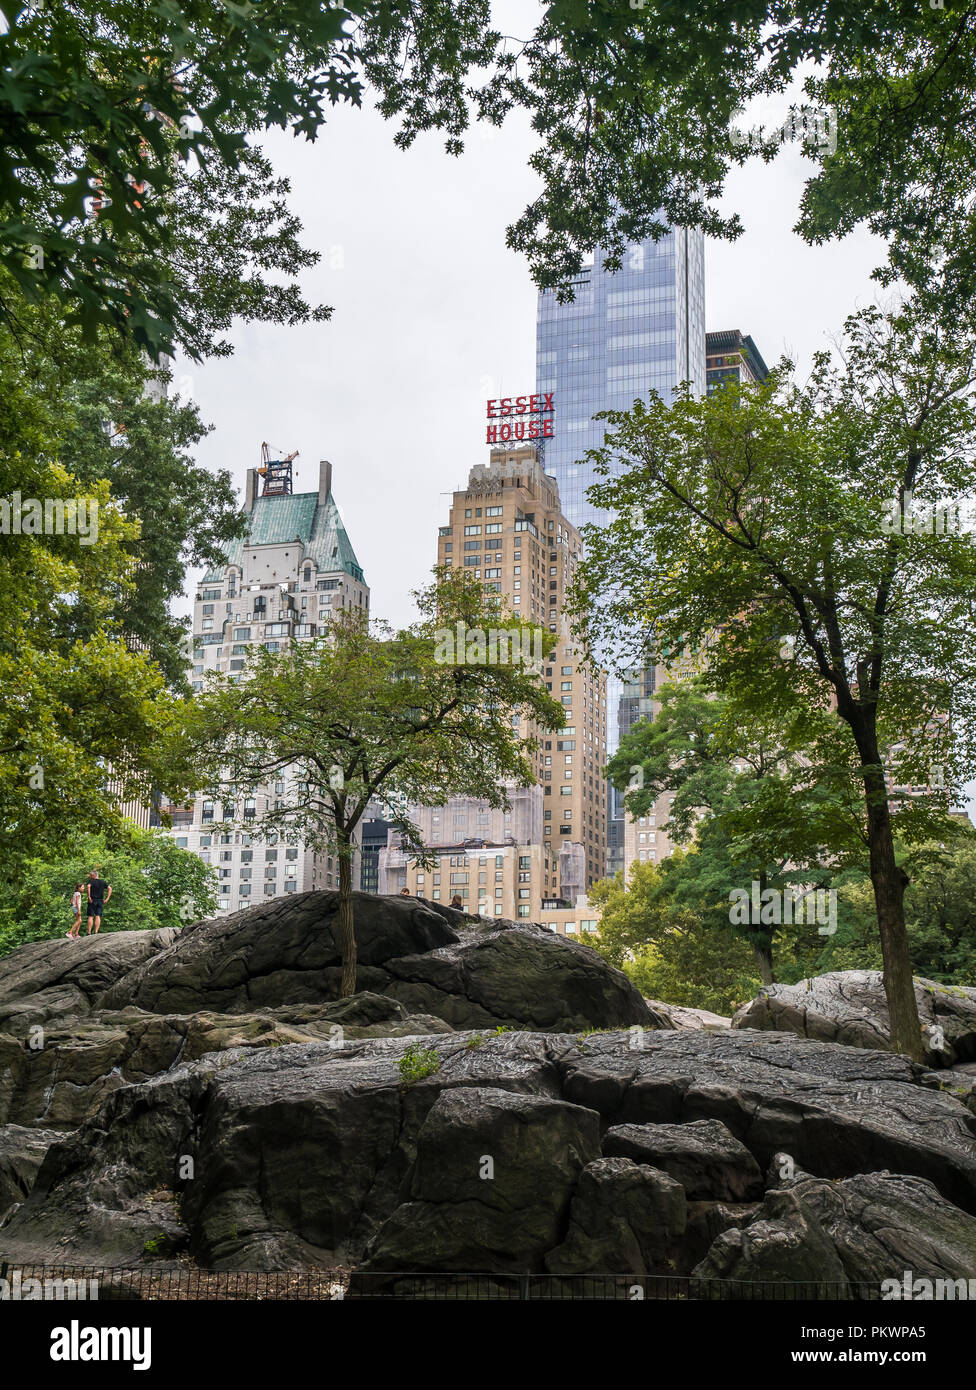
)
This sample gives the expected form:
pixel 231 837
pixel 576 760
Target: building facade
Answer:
pixel 627 332
pixel 637 329
pixel 507 528
pixel 294 568
pixel 732 356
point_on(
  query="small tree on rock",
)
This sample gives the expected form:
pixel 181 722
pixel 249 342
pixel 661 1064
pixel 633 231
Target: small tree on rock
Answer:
pixel 411 718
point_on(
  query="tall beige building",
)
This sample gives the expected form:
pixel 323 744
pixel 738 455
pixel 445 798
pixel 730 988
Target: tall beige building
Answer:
pixel 508 529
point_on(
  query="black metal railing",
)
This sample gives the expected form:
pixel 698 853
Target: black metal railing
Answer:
pixel 186 1283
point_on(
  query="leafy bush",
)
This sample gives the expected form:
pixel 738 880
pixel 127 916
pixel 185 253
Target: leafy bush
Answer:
pixel 154 882
pixel 418 1062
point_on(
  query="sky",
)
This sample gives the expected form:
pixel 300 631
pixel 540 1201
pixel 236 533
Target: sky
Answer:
pixel 433 315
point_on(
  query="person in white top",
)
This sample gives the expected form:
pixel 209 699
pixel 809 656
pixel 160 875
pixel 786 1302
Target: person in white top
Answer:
pixel 75 927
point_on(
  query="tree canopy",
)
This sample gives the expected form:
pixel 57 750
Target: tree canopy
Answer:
pixel 791 533
pixel 751 795
pixel 634 106
pixel 409 717
pixel 154 882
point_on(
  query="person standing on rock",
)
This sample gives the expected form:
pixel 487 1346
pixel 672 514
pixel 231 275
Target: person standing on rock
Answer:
pixel 456 902
pixel 99 893
pixel 75 927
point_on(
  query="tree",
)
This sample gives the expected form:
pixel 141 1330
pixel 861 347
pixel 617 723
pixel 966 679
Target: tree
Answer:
pixel 635 107
pixel 83 716
pixel 940 916
pixel 671 950
pixel 794 528
pixel 941 908
pixel 92 407
pixel 106 99
pixel 640 112
pixel 415 716
pixel 750 794
pixel 154 884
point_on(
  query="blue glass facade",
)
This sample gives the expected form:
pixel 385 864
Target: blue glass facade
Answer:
pixel 642 327
pixel 637 329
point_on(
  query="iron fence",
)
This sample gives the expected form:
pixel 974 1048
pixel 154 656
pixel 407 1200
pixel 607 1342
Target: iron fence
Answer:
pixel 190 1284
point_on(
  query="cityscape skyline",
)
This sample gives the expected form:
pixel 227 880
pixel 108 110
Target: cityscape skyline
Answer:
pixel 433 316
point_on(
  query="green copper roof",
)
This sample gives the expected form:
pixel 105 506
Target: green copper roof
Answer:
pixel 281 520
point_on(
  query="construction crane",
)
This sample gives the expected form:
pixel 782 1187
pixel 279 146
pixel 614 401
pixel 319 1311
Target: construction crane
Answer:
pixel 277 473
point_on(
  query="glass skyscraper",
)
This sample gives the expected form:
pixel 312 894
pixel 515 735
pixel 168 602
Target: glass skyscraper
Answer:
pixel 639 328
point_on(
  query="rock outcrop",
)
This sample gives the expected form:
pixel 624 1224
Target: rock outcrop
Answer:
pixel 284 952
pixel 497 1100
pixel 682 1017
pixel 849 1007
pixel 817 1232
pixel 61 979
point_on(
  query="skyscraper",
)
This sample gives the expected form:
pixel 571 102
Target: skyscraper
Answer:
pixel 637 329
pixel 282 581
pixel 732 355
pixel 506 529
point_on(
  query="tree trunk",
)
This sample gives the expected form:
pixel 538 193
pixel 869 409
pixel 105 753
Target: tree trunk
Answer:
pixel 346 926
pixel 889 881
pixel 762 942
pixel 764 959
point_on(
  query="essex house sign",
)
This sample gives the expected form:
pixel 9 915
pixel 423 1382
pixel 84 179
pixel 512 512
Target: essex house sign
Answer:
pixel 521 417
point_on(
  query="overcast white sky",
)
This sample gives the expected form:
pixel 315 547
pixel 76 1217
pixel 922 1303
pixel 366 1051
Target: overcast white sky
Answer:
pixel 432 315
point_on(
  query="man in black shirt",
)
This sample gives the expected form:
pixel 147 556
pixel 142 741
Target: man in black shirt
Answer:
pixel 99 892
